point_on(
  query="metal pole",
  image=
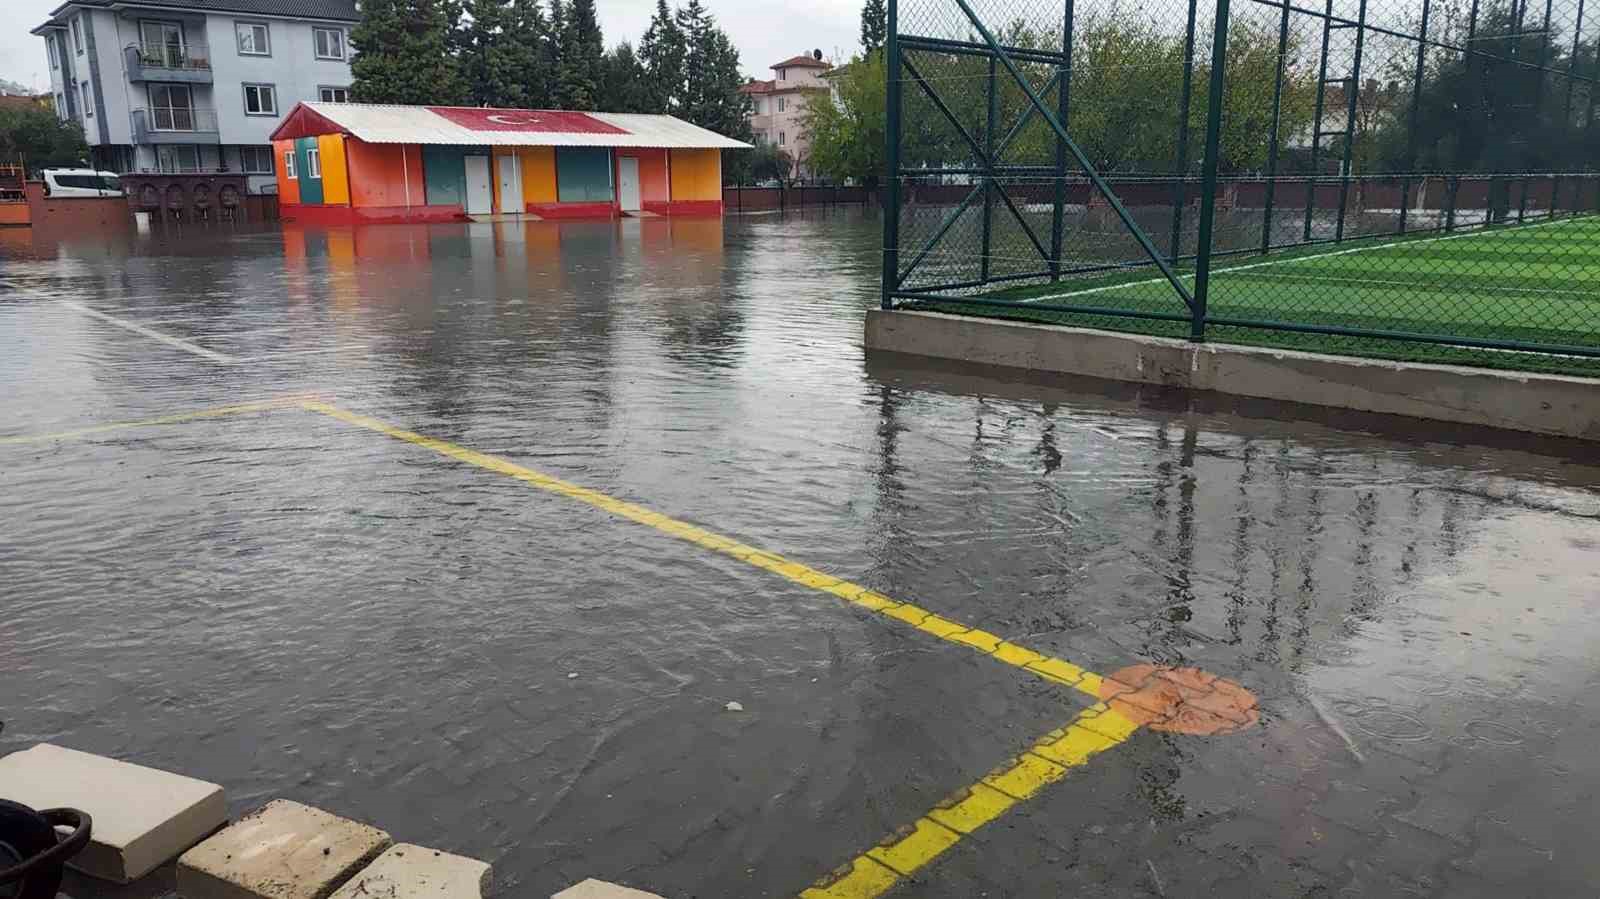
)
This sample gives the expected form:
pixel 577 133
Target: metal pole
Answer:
pixel 891 132
pixel 1354 92
pixel 1572 67
pixel 1450 201
pixel 988 175
pixel 1316 118
pixel 1180 193
pixel 1416 112
pixel 1058 207
pixel 1208 186
pixel 1272 138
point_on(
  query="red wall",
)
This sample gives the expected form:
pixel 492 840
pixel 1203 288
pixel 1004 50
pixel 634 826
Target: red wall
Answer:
pixel 379 174
pixel 653 183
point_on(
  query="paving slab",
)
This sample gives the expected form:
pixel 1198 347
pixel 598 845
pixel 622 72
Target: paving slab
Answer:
pixel 142 817
pixel 283 850
pixel 599 889
pixel 405 871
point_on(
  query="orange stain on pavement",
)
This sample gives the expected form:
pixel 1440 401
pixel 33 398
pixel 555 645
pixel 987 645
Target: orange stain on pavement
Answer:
pixel 1180 700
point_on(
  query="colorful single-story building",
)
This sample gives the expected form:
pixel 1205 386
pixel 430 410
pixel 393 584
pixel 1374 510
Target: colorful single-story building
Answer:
pixel 358 162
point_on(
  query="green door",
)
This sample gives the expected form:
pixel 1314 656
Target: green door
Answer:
pixel 444 175
pixel 310 185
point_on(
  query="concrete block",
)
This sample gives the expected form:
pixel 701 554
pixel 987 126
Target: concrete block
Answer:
pixel 599 889
pixel 283 850
pixel 412 872
pixel 142 817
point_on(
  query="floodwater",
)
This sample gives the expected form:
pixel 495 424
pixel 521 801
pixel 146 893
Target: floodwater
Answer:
pixel 293 606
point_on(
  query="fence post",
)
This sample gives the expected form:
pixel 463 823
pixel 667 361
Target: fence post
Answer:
pixel 1450 203
pixel 891 133
pixel 1416 109
pixel 1180 193
pixel 1354 94
pixel 989 165
pixel 1063 109
pixel 1272 137
pixel 1208 184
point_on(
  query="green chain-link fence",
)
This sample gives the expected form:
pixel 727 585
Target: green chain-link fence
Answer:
pixel 1411 179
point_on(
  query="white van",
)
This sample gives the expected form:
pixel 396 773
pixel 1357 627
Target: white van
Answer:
pixel 80 183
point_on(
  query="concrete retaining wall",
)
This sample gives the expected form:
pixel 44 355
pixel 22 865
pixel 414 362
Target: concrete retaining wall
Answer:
pixel 1544 404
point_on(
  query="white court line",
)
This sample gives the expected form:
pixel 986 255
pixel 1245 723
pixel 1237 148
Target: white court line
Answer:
pixel 169 340
pixel 1241 268
pixel 1324 279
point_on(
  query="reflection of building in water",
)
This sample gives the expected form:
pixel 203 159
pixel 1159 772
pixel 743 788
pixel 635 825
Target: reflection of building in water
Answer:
pixel 350 162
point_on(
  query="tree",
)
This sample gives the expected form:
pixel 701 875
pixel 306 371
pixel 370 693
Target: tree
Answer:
pixel 581 54
pixel 624 84
pixel 490 55
pixel 404 53
pixel 874 25
pixel 711 97
pixel 662 52
pixel 39 139
pixel 847 136
pixel 769 161
pixel 528 34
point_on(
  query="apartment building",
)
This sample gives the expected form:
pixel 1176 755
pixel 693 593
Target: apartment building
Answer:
pixel 778 106
pixel 194 85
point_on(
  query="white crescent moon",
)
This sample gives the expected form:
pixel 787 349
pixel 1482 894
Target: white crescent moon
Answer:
pixel 507 120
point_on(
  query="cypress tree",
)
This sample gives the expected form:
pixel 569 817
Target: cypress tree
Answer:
pixel 529 41
pixel 874 25
pixel 625 85
pixel 662 52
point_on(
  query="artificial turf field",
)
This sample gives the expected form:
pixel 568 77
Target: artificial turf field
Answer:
pixel 1535 283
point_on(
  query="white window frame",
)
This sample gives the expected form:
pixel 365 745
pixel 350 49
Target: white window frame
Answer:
pixel 329 89
pixel 86 97
pixel 238 37
pixel 783 139
pixel 313 163
pixel 50 50
pixel 783 74
pixel 343 42
pixel 259 170
pixel 77 34
pixel 288 165
pixel 262 89
pixel 61 106
pixel 782 104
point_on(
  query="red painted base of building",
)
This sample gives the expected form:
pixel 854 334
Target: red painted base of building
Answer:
pixel 684 207
pixel 573 210
pixel 369 215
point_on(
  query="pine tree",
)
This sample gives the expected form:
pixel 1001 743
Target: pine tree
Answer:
pixel 486 53
pixel 624 86
pixel 662 52
pixel 404 53
pixel 695 24
pixel 582 50
pixel 526 33
pixel 555 33
pixel 874 25
pixel 711 96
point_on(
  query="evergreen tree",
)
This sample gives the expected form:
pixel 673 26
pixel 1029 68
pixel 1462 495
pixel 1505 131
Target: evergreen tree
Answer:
pixel 662 52
pixel 486 52
pixel 874 25
pixel 530 45
pixel 624 86
pixel 555 33
pixel 695 24
pixel 404 53
pixel 582 52
pixel 711 97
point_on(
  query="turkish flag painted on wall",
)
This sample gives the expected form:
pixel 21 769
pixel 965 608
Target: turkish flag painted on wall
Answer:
pixel 539 121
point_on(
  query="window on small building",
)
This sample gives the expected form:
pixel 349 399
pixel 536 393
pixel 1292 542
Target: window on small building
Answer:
pixel 288 165
pixel 260 99
pixel 783 103
pixel 178 158
pixel 329 41
pixel 253 38
pixel 77 34
pixel 255 160
pixel 783 74
pixel 782 138
pixel 313 163
pixel 333 94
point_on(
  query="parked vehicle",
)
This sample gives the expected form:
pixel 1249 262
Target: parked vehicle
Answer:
pixel 80 183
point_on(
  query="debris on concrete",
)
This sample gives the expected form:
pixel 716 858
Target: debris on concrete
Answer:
pixel 734 707
pixel 142 817
pixel 405 871
pixel 283 850
pixel 599 889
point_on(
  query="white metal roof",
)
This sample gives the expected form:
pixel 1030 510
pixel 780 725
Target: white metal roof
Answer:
pixel 385 124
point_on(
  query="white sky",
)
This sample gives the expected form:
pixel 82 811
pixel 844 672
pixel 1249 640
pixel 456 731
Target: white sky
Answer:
pixel 764 31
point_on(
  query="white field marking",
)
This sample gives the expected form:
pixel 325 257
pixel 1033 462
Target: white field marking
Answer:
pixel 169 340
pixel 1345 252
pixel 1490 291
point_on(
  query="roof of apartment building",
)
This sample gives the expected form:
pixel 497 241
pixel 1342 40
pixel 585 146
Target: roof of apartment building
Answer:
pixel 333 10
pixel 802 61
pixel 773 86
pixel 377 123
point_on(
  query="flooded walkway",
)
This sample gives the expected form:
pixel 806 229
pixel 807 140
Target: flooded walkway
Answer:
pixel 477 531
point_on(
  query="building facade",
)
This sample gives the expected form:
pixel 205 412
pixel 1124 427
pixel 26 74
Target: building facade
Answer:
pixel 194 85
pixel 778 107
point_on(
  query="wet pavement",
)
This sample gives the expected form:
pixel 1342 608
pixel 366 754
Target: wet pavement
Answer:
pixel 290 605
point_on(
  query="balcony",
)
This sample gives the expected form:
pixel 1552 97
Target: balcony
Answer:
pixel 175 125
pixel 183 63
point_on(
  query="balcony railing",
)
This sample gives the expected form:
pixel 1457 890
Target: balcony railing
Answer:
pixel 174 124
pixel 187 56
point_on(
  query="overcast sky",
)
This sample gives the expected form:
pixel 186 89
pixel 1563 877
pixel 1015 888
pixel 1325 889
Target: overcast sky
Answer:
pixel 764 31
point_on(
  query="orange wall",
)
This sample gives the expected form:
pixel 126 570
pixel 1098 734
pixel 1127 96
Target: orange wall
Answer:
pixel 378 174
pixel 696 175
pixel 335 177
pixel 539 174
pixel 653 187
pixel 288 188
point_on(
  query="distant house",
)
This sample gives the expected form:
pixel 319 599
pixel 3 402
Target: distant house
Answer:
pixel 25 101
pixel 358 162
pixel 778 107
pixel 193 85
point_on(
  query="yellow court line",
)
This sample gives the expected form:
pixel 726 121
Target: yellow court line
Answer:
pixel 885 866
pixel 213 412
pixel 1051 669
